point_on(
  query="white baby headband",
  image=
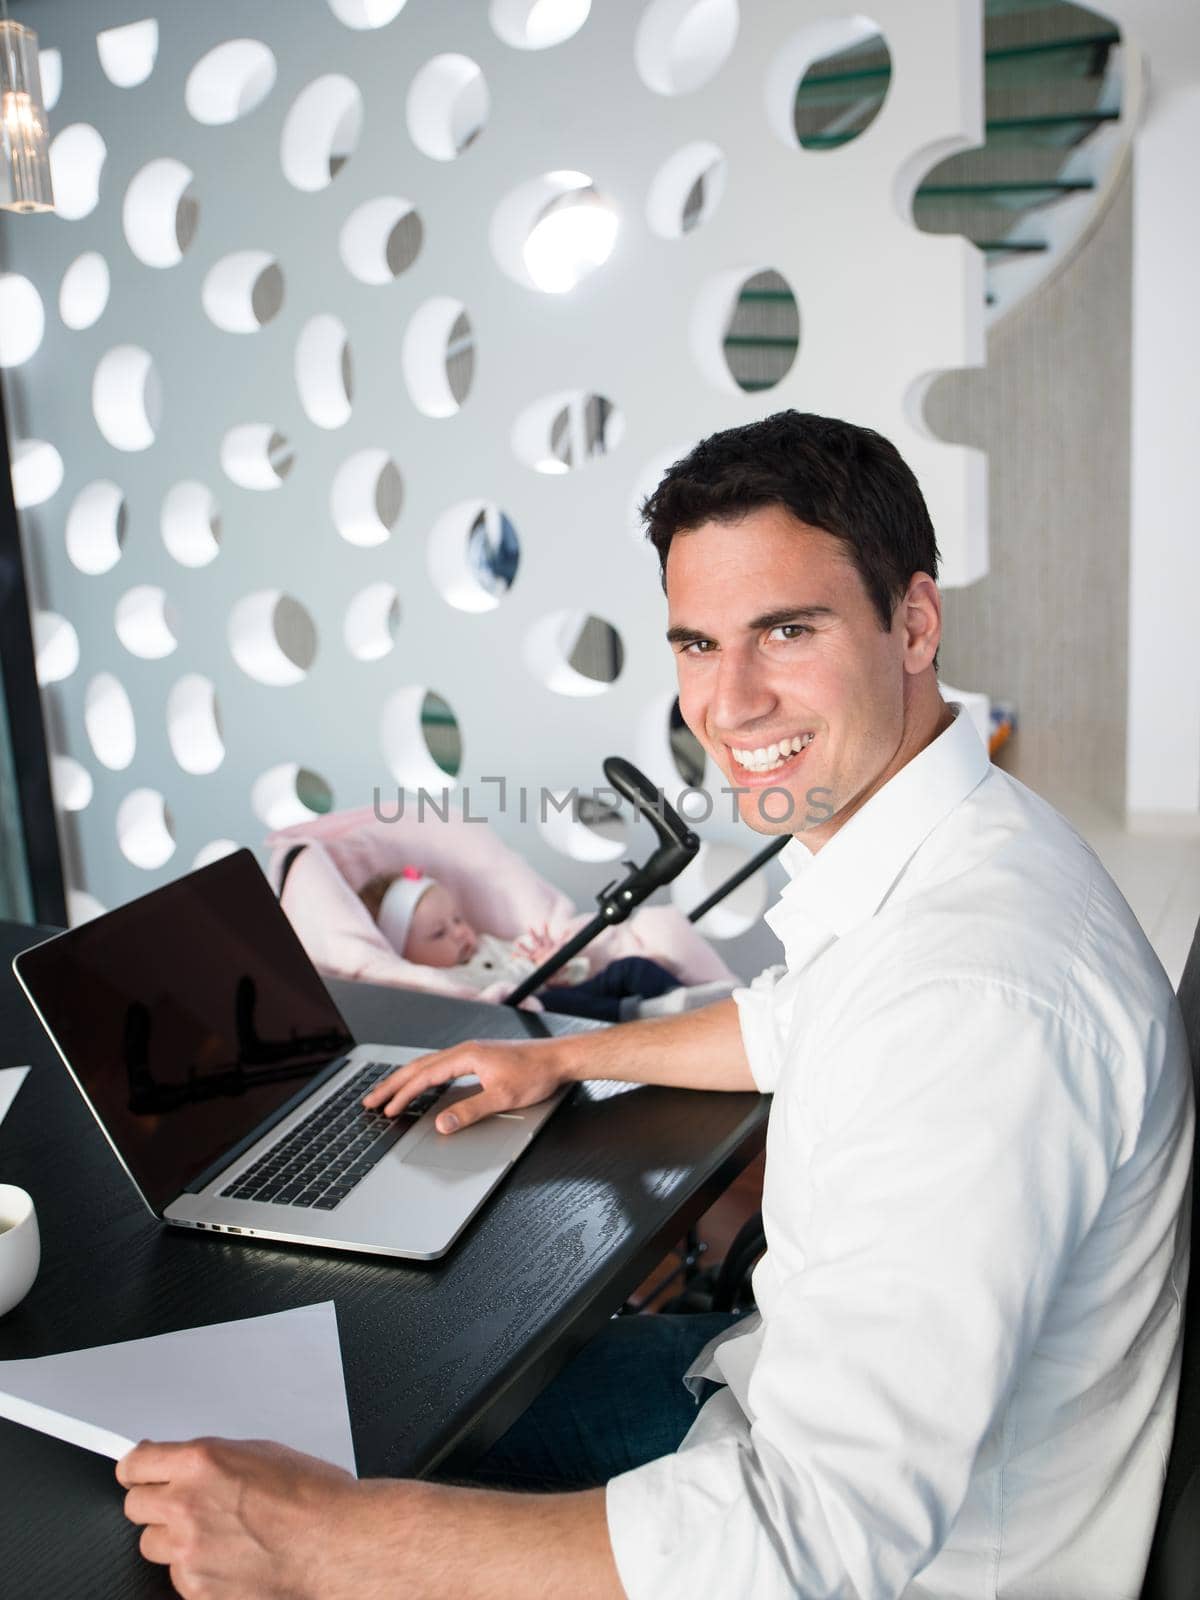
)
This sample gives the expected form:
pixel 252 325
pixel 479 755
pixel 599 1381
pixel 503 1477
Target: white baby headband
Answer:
pixel 398 905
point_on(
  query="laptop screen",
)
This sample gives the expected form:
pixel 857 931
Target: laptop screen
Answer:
pixel 188 1016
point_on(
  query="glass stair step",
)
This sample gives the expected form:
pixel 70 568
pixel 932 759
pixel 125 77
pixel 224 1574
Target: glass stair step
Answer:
pixel 1005 196
pixel 1059 131
pixel 1083 57
pixel 1012 247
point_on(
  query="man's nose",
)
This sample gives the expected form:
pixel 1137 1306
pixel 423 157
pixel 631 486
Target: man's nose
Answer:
pixel 743 694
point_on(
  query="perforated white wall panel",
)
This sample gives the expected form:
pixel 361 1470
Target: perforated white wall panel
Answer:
pixel 175 343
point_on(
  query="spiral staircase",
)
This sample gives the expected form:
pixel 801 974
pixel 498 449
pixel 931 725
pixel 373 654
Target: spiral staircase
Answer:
pixel 1061 103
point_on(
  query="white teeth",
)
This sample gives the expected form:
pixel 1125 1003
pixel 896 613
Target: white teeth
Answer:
pixel 768 757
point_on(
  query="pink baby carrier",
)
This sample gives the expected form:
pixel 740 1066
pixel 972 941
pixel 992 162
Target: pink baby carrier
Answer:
pixel 332 857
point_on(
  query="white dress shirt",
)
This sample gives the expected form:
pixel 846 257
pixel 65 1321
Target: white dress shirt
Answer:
pixel 961 1379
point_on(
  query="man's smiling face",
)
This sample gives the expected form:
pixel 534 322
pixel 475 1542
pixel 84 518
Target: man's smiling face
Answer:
pixel 785 674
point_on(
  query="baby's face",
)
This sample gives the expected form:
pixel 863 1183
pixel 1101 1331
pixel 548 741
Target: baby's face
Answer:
pixel 438 935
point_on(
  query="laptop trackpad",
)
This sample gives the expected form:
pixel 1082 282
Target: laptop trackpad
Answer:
pixel 485 1144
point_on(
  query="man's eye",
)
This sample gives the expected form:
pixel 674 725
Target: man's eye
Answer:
pixel 792 630
pixel 698 647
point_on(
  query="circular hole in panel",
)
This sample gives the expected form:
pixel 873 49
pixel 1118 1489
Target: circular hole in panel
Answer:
pixel 473 555
pixel 273 638
pixel 381 239
pixel 256 456
pixel 574 653
pixel 194 725
pixel 243 291
pixel 366 13
pixel 55 647
pixel 324 371
pixel 108 720
pixel 230 81
pixel 146 623
pixel 577 826
pixel 128 53
pixel 71 782
pixel 682 44
pixel 215 850
pixel 145 829
pixel 158 213
pixel 76 159
pixel 538 24
pixel 762 335
pixel 550 232
pixel 191 524
pixel 321 131
pixel 666 751
pixel 96 527
pixel 127 398
pixel 366 497
pixel 290 793
pixel 419 737
pixel 37 472
pixel 83 293
pixel 50 71
pixel 437 356
pixel 687 753
pixel 447 106
pixel 745 330
pixel 82 907
pixel 566 430
pixel 22 319
pixel 739 911
pixel 573 236
pixel 828 83
pixel 686 190
pixel 372 622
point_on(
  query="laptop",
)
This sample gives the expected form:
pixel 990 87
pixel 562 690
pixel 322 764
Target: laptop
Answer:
pixel 229 1085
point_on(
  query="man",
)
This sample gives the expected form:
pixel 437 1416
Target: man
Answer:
pixel 960 1381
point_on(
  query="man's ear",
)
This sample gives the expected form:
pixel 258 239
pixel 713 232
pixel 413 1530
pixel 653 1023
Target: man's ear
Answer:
pixel 921 614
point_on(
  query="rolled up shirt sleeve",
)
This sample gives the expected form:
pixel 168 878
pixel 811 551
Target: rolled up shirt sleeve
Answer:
pixel 763 1025
pixel 963 1152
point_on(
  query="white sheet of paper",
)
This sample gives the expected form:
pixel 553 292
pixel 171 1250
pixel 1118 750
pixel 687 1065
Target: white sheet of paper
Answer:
pixel 11 1079
pixel 274 1377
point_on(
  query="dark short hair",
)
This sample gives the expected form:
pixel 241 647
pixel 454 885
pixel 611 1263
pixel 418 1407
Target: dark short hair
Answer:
pixel 847 481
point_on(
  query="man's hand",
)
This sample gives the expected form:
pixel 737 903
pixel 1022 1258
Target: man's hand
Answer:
pixel 511 1075
pixel 234 1519
pixel 253 1521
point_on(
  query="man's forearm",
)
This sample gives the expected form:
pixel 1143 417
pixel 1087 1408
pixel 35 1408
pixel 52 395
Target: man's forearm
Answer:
pixel 698 1050
pixel 480 1544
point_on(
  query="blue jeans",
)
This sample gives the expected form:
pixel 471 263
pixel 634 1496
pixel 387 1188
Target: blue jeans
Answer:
pixel 620 1403
pixel 600 997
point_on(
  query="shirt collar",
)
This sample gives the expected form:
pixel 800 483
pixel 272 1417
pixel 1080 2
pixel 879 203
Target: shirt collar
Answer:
pixel 848 879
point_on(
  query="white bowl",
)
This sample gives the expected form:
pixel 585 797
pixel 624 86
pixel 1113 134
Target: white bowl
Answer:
pixel 20 1246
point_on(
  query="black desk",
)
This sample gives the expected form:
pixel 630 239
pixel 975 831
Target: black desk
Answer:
pixel 439 1359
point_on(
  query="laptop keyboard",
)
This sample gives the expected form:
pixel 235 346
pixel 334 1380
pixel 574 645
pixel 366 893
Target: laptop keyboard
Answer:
pixel 328 1154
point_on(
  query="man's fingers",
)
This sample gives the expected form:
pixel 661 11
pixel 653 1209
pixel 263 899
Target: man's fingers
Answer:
pixel 409 1091
pixel 156 1545
pixel 150 1463
pixel 147 1502
pixel 473 1109
pixel 405 1080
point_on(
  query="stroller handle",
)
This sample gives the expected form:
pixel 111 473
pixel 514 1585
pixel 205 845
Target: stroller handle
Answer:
pixel 652 803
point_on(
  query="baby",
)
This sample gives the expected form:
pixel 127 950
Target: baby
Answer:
pixel 422 920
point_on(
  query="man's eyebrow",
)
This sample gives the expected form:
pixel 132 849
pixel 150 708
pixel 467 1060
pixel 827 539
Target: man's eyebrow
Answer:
pixel 768 619
pixel 785 614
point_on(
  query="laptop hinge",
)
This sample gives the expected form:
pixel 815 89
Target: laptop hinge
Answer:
pixel 228 1157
